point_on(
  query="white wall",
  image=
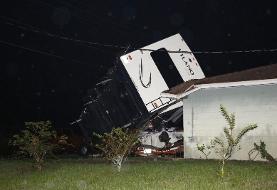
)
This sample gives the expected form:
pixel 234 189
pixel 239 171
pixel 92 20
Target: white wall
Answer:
pixel 255 104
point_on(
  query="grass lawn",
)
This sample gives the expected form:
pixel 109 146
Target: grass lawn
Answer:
pixel 82 174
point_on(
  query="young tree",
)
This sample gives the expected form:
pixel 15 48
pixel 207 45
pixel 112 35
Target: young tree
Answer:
pixel 225 147
pixel 36 141
pixel 117 144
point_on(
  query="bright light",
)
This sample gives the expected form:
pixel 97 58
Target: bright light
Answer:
pixel 147 151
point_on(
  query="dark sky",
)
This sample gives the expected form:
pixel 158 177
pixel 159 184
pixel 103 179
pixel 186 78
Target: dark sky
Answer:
pixel 50 82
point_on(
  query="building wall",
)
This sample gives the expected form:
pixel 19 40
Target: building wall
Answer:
pixel 255 104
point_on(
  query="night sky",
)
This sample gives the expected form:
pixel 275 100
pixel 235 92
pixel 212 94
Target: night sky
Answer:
pixel 45 77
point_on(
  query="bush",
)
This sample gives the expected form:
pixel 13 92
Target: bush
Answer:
pixel 260 149
pixel 36 141
pixel 205 150
pixel 117 144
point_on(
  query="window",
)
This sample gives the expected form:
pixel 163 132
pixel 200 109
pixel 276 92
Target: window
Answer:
pixel 166 67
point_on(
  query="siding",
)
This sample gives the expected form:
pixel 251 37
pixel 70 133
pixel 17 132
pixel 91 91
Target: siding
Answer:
pixel 254 104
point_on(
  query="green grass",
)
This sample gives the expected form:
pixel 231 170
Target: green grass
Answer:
pixel 82 174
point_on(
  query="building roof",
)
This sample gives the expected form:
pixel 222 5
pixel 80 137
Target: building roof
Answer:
pixel 255 74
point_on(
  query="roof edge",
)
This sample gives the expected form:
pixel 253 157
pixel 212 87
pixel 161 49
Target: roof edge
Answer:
pixel 220 85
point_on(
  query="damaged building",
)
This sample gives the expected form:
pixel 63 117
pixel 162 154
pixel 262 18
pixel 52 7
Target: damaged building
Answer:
pixel 169 89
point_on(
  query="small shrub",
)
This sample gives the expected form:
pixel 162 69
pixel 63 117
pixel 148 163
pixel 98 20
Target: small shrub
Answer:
pixel 225 147
pixel 260 149
pixel 205 150
pixel 36 141
pixel 117 144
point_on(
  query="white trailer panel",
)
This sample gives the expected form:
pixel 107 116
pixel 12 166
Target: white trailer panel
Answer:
pixel 150 78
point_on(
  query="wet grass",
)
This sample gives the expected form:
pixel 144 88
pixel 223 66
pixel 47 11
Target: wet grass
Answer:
pixel 82 174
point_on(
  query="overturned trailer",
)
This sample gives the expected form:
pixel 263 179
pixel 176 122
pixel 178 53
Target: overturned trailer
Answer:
pixel 130 94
